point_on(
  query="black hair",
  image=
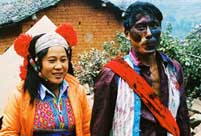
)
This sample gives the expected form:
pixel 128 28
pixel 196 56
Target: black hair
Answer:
pixel 33 80
pixel 143 8
pixel 1 122
pixel 70 65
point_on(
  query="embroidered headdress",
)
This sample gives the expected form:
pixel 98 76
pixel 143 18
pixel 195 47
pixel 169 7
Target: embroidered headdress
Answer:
pixel 50 40
pixel 64 36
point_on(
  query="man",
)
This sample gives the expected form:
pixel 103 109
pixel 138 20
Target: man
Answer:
pixel 143 93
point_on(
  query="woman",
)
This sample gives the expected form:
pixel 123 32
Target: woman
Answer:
pixel 48 101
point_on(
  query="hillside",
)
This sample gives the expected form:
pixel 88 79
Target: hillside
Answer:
pixel 182 14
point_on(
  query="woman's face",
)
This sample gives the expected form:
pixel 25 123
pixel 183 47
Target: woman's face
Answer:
pixel 55 64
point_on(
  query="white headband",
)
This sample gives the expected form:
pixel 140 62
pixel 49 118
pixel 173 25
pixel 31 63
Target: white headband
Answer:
pixel 50 40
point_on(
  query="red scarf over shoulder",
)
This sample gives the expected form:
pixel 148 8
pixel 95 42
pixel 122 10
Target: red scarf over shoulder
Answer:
pixel 146 93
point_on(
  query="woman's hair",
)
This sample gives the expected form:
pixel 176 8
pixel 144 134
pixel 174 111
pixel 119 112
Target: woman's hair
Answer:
pixel 70 65
pixel 142 8
pixel 33 79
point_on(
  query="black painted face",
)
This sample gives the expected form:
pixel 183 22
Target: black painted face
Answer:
pixel 145 34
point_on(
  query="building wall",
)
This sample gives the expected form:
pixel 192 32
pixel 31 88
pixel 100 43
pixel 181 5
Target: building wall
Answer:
pixel 93 25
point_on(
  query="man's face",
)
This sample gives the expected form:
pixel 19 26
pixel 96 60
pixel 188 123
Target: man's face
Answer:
pixel 145 34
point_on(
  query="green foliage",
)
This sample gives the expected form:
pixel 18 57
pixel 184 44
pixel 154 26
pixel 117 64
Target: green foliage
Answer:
pixel 191 59
pixel 168 44
pixel 89 65
pixel 120 46
pixel 188 53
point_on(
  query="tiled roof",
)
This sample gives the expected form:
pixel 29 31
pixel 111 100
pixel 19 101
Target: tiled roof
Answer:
pixel 12 11
pixel 121 4
pixel 16 10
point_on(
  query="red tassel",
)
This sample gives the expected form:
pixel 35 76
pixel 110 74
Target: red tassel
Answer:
pixel 21 46
pixel 23 70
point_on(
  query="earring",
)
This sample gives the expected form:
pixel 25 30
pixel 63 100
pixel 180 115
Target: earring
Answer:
pixel 33 64
pixel 36 59
pixel 40 75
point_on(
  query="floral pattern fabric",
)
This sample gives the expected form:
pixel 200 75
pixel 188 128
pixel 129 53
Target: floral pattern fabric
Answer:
pixel 52 112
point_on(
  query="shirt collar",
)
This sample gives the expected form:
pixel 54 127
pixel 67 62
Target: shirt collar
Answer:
pixel 134 58
pixel 43 91
pixel 160 57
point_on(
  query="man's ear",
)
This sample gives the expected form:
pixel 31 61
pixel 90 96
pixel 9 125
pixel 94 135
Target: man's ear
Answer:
pixel 127 35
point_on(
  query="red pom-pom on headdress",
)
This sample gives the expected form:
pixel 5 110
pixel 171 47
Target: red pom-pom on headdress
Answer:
pixel 21 45
pixel 67 31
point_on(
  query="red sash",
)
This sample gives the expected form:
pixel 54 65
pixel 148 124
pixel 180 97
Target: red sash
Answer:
pixel 146 93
